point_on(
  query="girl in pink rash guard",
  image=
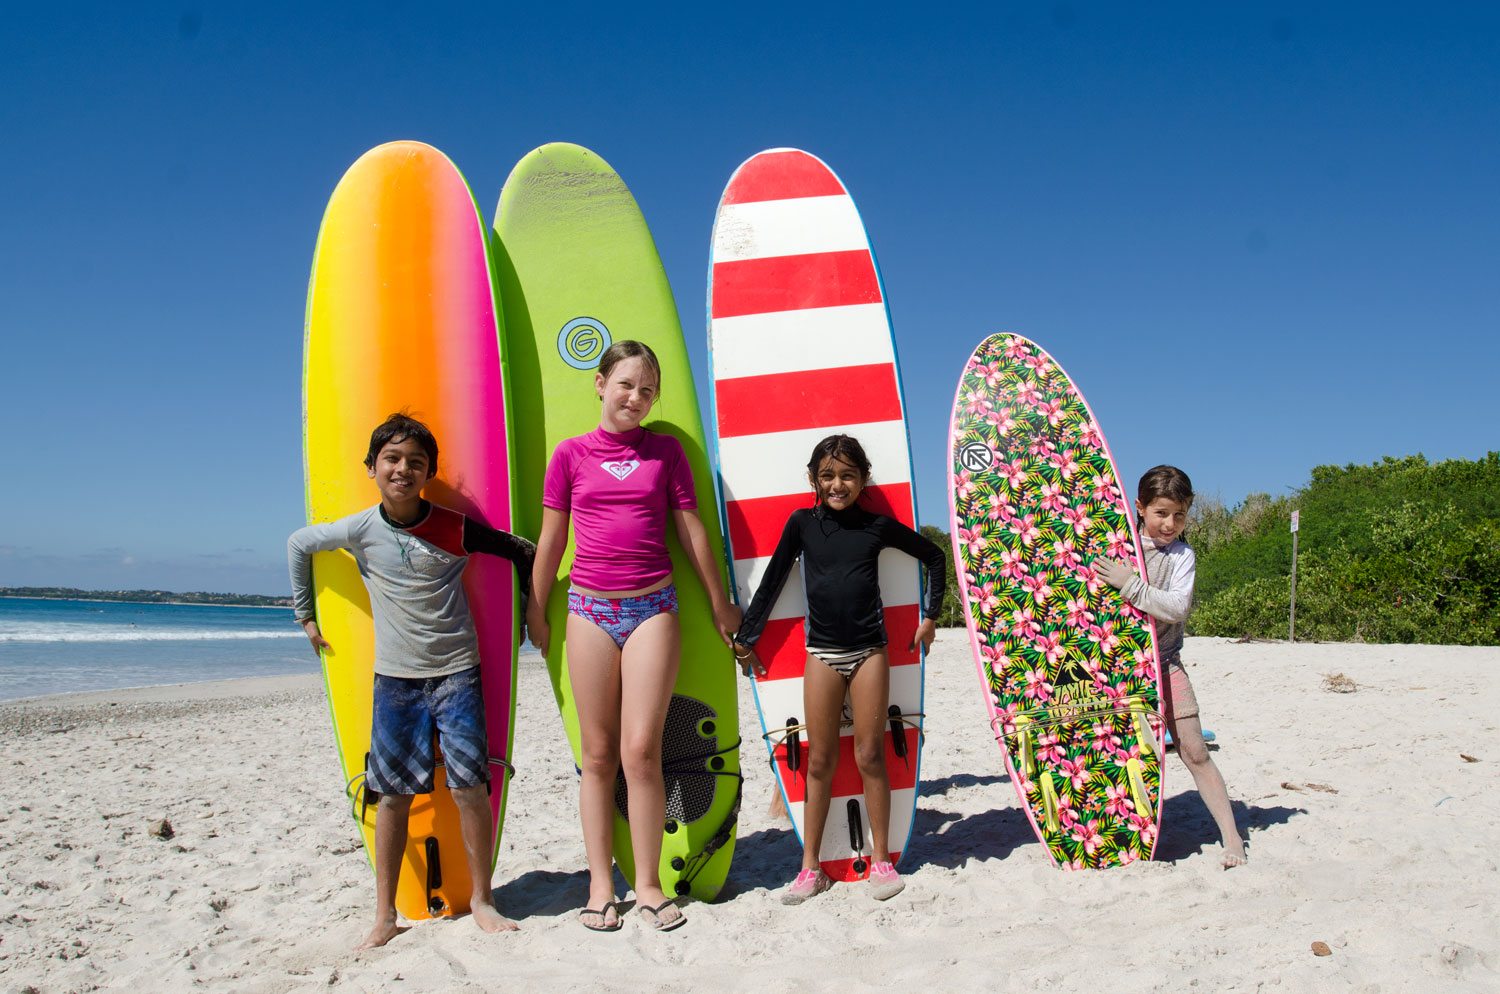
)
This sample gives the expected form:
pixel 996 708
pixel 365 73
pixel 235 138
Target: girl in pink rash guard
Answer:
pixel 618 485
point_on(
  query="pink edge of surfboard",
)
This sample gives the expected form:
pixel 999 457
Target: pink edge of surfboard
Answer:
pixel 470 365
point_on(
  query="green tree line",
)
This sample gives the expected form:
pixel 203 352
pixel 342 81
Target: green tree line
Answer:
pixel 148 596
pixel 1401 550
pixel 953 609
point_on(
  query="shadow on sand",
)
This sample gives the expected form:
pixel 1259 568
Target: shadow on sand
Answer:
pixel 1188 829
pixel 549 893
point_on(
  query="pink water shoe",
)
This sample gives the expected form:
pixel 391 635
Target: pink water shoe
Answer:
pixel 809 883
pixel 885 882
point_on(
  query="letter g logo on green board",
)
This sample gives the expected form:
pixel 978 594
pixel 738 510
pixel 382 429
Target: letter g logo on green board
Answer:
pixel 582 341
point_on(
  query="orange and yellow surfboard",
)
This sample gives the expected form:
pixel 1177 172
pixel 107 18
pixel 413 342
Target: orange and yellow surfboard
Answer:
pixel 402 314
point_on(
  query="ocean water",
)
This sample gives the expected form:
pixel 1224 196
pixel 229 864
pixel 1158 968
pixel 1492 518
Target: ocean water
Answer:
pixel 58 647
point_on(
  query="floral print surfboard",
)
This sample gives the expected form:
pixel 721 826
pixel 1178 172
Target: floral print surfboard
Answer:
pixel 1069 668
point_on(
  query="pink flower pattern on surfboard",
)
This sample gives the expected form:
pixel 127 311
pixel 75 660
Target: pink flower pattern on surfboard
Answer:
pixel 1069 668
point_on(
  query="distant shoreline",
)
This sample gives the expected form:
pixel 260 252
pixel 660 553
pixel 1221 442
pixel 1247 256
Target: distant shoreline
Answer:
pixel 102 597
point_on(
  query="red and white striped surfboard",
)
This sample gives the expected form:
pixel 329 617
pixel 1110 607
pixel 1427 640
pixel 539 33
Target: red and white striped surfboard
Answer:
pixel 801 348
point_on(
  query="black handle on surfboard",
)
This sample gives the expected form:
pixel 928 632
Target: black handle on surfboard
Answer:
pixel 793 746
pixel 898 731
pixel 435 903
pixel 856 834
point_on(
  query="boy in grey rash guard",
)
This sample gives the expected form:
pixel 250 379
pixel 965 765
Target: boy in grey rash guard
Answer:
pixel 413 571
pixel 411 555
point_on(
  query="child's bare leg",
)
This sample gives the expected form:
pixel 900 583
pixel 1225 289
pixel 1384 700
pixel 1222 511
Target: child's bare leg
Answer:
pixel 648 670
pixel 390 849
pixel 594 671
pixel 1188 733
pixel 478 828
pixel 870 693
pixel 823 693
pixel 777 809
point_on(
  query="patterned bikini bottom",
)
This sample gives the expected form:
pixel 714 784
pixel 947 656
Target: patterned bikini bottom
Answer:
pixel 621 616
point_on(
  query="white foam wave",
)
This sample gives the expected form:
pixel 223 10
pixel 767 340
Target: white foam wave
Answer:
pixel 90 633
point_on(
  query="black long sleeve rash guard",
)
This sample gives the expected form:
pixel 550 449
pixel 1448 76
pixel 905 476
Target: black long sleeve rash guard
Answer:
pixel 840 552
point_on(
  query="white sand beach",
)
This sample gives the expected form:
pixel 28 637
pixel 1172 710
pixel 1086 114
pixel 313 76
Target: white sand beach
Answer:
pixel 1369 831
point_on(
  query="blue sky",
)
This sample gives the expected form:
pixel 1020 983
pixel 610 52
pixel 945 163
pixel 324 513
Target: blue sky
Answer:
pixel 1260 238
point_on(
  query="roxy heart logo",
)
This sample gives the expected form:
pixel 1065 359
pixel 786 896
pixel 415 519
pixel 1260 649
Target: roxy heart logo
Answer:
pixel 621 468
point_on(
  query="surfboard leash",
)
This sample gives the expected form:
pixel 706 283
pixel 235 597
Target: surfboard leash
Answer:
pixel 1136 707
pixel 695 864
pixel 701 765
pixel 785 731
pixel 361 799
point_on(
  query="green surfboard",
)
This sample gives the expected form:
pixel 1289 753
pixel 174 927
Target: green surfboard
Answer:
pixel 578 269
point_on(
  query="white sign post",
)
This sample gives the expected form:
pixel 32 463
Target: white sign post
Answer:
pixel 1291 635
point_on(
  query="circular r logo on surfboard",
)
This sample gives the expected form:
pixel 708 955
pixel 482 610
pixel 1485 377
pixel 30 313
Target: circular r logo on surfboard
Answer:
pixel 582 341
pixel 976 457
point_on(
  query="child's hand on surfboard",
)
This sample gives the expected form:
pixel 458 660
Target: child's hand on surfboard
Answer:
pixel 319 643
pixel 748 660
pixel 728 617
pixel 1115 573
pixel 537 629
pixel 926 632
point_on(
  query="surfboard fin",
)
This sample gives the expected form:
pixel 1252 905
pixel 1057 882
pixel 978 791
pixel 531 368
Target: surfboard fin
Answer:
pixel 1143 732
pixel 1137 786
pixel 1023 734
pixel 898 731
pixel 1049 801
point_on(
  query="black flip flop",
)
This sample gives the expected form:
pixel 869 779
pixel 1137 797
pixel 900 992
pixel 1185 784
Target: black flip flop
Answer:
pixel 604 924
pixel 655 920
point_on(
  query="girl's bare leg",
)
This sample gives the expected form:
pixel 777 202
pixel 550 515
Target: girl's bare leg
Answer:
pixel 870 693
pixel 648 670
pixel 823 699
pixel 594 672
pixel 1188 734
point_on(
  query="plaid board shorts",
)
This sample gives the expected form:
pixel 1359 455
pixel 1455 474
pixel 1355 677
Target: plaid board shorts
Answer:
pixel 407 714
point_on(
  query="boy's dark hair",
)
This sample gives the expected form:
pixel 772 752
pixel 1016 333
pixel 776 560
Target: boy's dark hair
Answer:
pixel 400 427
pixel 629 348
pixel 843 448
pixel 1164 481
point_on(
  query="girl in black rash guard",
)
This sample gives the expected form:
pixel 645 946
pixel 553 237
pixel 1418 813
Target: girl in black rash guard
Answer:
pixel 839 544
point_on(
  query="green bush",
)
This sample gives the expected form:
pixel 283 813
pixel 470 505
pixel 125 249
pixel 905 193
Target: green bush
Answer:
pixel 953 609
pixel 1399 551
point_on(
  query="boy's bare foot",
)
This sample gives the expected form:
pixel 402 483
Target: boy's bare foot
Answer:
pixel 384 931
pixel 1235 856
pixel 490 920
